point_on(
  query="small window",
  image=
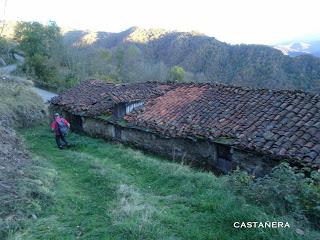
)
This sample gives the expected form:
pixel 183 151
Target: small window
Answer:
pixel 132 106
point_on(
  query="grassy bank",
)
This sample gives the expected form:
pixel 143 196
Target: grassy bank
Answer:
pixel 23 191
pixel 20 106
pixel 107 191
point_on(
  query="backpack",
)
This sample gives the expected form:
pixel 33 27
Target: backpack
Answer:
pixel 63 128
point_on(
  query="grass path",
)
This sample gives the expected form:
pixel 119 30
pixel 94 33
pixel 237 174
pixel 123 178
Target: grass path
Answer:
pixel 108 191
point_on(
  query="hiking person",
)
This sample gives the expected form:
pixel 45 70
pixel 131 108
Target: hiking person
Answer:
pixel 60 127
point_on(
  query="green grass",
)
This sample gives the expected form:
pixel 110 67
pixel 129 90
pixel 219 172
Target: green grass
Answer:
pixel 108 191
pixel 20 106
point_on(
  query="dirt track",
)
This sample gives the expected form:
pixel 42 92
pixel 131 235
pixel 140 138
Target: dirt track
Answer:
pixel 8 69
pixel 46 95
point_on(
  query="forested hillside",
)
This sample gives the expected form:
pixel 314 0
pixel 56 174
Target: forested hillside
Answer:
pixel 61 58
pixel 150 53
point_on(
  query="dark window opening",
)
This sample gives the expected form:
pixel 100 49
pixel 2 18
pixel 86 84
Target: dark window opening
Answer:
pixel 119 110
pixel 224 158
pixel 224 152
pixel 117 133
pixel 75 122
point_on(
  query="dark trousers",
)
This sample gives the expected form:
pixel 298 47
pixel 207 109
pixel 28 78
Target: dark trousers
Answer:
pixel 61 140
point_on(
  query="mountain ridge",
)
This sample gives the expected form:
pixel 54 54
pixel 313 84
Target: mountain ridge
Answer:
pixel 139 54
pixel 296 48
pixel 240 64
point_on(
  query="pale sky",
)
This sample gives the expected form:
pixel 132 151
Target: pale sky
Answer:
pixel 232 21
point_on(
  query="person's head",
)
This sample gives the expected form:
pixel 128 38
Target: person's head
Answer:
pixel 56 115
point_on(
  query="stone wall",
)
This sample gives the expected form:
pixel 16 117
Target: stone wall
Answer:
pixel 254 163
pixel 98 128
pixel 204 154
pixel 201 154
pixel 178 149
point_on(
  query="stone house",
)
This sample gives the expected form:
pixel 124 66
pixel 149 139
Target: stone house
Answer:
pixel 204 124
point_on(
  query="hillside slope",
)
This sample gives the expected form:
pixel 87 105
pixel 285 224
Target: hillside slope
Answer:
pixel 108 191
pixel 206 58
pixel 24 182
pixel 138 55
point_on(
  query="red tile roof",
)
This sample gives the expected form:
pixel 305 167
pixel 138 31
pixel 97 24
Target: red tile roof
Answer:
pixel 95 97
pixel 88 98
pixel 282 123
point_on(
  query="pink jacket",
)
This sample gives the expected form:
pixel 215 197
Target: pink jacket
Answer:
pixel 54 125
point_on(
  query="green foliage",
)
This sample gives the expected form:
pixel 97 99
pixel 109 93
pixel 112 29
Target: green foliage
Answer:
pixel 122 123
pixel 203 59
pixel 33 194
pixel 138 55
pixel 43 68
pixel 282 191
pixel 111 78
pixel 6 51
pixel 36 38
pixel 42 45
pixel 108 191
pixel 176 74
pixel 70 80
pixel 106 117
pixel 119 57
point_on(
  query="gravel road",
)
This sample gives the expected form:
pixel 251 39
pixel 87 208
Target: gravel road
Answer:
pixel 46 95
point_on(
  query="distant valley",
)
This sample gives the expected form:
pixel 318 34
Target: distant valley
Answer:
pixel 299 48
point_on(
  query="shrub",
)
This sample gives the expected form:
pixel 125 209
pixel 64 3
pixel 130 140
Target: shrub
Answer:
pixel 283 191
pixel 42 68
pixel 19 105
pixel 176 74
